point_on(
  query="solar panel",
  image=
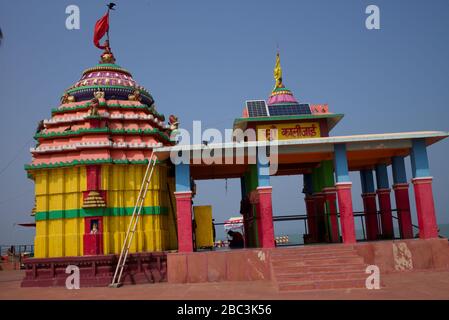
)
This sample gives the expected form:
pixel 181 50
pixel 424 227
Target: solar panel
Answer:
pixel 257 108
pixel 289 109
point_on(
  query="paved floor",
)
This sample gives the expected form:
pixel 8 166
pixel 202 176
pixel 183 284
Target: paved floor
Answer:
pixel 409 285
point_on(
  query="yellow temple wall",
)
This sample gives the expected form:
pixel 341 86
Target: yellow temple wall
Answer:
pixel 60 216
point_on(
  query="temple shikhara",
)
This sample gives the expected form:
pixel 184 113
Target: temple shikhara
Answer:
pixel 91 157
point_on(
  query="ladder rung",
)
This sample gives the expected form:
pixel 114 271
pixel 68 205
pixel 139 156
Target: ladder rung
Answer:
pixel 134 220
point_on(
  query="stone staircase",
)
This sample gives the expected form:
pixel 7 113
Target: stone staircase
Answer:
pixel 318 267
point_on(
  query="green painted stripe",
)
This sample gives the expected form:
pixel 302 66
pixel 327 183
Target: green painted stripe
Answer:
pixel 111 106
pixel 94 212
pixel 85 162
pixel 102 130
pixel 103 104
pixel 109 65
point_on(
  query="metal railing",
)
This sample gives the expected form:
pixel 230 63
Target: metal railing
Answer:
pixel 18 249
pixel 357 214
pixel 14 254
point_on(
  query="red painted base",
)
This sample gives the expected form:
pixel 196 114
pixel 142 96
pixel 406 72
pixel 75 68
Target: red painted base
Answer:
pixel 96 271
pixel 331 199
pixel 344 197
pixel 403 209
pixel 266 235
pixel 184 221
pixel 319 217
pixel 311 219
pixel 386 217
pixel 371 223
pixel 425 208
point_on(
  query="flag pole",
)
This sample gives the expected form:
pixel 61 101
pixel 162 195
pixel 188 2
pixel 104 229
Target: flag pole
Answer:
pixel 107 32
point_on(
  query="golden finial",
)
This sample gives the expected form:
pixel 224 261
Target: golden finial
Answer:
pixel 278 72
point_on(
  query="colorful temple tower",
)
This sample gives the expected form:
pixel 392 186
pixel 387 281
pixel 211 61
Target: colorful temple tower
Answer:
pixel 88 166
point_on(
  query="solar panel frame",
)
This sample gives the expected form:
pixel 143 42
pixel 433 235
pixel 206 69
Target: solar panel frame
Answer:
pixel 257 108
pixel 289 109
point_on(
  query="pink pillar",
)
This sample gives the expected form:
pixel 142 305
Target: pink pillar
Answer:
pixel 425 208
pixel 344 197
pixel 266 235
pixel 184 220
pixel 403 209
pixel 369 204
pixel 311 217
pixel 331 197
pixel 386 217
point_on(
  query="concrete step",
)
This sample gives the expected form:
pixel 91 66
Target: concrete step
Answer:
pixel 311 253
pixel 355 267
pixel 319 255
pixel 322 285
pixel 314 256
pixel 306 276
pixel 313 248
pixel 318 262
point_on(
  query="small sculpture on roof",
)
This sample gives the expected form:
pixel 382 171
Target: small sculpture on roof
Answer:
pixel 99 94
pixel 278 72
pixel 93 108
pixel 107 56
pixel 135 96
pixel 67 98
pixel 173 122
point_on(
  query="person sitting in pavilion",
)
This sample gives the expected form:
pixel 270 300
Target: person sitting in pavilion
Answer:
pixel 237 240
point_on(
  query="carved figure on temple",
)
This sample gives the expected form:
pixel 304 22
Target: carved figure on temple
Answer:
pixel 173 122
pixel 93 108
pixel 135 96
pixel 67 98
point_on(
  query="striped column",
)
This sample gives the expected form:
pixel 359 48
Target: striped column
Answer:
pixel 369 204
pixel 422 185
pixel 400 187
pixel 183 197
pixel 343 186
pixel 383 195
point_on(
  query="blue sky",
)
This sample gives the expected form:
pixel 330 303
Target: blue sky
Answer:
pixel 202 59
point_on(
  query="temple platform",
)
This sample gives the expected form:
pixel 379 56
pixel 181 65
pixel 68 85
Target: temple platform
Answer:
pixel 96 271
pixel 311 267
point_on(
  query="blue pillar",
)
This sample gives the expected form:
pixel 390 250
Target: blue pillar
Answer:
pixel 369 204
pixel 183 197
pixel 263 174
pixel 382 176
pixel 341 163
pixel 264 207
pixel 418 156
pixel 383 195
pixel 182 174
pixel 422 186
pixel 402 198
pixel 399 174
pixel 344 195
pixel 367 180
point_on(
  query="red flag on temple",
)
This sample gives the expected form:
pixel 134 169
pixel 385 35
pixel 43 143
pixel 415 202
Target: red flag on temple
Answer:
pixel 101 27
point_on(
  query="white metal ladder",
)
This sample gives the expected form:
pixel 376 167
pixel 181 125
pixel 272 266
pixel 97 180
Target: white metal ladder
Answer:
pixel 133 223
